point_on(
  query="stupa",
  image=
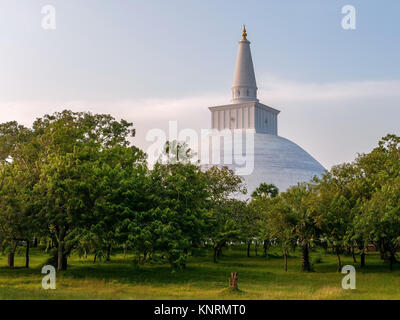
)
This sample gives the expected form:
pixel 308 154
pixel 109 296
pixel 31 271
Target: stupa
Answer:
pixel 277 160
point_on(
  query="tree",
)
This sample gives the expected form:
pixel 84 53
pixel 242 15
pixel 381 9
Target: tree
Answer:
pixel 71 144
pixel 176 152
pixel 378 172
pixel 13 137
pixel 225 211
pixel 18 154
pixel 265 190
pixel 178 217
pixel 249 223
pixel 119 192
pixel 281 223
pixel 382 220
pixel 335 220
pixel 18 222
pixel 298 199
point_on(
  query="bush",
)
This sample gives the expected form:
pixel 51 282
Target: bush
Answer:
pixel 317 258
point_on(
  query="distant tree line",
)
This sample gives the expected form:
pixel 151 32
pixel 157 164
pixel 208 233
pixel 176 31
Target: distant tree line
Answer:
pixel 73 183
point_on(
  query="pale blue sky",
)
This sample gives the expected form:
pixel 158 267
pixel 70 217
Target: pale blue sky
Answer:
pixel 108 55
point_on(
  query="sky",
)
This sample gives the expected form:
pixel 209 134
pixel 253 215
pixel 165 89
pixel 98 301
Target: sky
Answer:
pixel 153 61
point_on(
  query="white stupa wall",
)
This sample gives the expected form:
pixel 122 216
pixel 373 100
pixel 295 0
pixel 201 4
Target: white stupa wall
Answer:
pixel 247 115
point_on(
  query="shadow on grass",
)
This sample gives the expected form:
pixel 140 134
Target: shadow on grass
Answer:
pixel 160 275
pixel 201 272
pixel 19 271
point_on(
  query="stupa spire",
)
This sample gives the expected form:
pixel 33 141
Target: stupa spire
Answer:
pixel 244 33
pixel 244 86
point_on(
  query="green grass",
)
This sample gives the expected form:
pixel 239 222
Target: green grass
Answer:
pixel 259 278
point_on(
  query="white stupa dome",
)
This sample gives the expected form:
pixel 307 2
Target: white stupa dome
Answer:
pixel 277 161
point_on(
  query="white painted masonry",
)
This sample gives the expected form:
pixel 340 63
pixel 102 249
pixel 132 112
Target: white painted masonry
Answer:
pixel 276 160
pixel 246 115
pixel 244 86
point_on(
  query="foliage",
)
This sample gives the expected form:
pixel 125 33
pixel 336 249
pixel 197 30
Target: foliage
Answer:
pixel 74 184
pixel 265 190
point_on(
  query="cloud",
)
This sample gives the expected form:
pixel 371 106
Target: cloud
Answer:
pixel 332 121
pixel 278 90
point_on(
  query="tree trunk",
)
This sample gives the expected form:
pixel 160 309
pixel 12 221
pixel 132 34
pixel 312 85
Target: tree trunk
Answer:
pixel 215 254
pixel 61 256
pixel 325 247
pixel 382 251
pixel 256 248
pixel 248 248
pixel 219 253
pixel 11 259
pixel 28 244
pixel 363 258
pixel 95 257
pixel 392 259
pixel 233 281
pixel 339 261
pixel 353 255
pixel 11 255
pixel 108 253
pixel 266 248
pixel 285 259
pixel 65 258
pixel 305 259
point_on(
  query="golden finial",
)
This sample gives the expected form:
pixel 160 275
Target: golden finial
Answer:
pixel 244 34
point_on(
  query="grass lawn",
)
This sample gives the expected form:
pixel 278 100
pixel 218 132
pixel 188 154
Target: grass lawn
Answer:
pixel 259 278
